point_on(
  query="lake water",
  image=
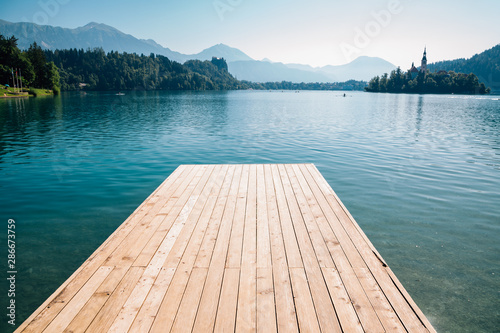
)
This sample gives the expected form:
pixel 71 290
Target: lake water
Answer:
pixel 420 174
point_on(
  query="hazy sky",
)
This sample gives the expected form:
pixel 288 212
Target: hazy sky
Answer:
pixel 315 32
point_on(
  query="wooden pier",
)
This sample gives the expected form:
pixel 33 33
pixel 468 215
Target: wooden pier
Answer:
pixel 234 248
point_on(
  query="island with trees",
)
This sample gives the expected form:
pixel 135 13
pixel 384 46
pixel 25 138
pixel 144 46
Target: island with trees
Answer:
pixel 422 81
pixel 441 82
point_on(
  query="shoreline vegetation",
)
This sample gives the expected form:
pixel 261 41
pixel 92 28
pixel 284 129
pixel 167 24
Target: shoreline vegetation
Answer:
pixel 7 92
pixel 26 71
pixel 10 92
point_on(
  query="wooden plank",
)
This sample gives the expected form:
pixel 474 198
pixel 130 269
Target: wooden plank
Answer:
pixel 266 312
pixel 226 313
pixel 285 307
pixel 85 316
pixel 306 314
pixel 236 241
pixel 346 314
pixel 104 319
pixel 293 255
pixel 263 241
pixel 246 320
pixel 189 306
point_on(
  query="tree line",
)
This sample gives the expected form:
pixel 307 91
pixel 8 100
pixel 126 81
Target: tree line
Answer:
pixel 93 69
pixel 287 85
pixel 128 71
pixel 427 83
pixel 35 69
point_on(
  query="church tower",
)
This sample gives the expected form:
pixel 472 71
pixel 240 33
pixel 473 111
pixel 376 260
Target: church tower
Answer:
pixel 423 67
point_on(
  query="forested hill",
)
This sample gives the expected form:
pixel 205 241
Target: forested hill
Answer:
pixel 485 65
pixel 97 70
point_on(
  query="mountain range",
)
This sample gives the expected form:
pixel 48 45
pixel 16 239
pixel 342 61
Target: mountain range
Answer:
pixel 240 64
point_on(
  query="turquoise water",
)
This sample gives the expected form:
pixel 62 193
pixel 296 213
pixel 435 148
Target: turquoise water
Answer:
pixel 421 175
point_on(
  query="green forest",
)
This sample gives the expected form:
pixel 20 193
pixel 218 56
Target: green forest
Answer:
pixel 427 83
pixel 32 64
pixel 97 70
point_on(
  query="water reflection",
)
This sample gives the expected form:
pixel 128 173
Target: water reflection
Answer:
pixel 419 116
